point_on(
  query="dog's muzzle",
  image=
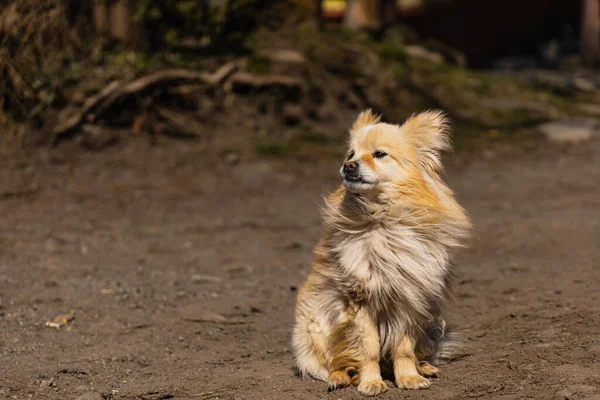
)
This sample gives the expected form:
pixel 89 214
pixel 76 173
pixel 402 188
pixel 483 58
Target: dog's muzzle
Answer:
pixel 351 171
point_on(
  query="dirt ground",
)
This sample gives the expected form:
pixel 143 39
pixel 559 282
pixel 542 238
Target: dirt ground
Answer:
pixel 180 272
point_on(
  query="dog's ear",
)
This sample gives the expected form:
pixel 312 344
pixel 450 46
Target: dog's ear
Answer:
pixel 429 132
pixel 365 118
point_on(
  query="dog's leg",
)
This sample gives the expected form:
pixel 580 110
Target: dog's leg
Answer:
pixel 370 382
pixel 406 365
pixel 425 368
pixel 355 346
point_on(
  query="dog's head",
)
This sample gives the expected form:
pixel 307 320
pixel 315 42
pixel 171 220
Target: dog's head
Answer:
pixel 382 156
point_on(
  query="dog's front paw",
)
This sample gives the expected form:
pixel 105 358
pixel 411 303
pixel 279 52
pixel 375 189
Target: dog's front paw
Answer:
pixel 338 380
pixel 428 370
pixel 372 387
pixel 413 382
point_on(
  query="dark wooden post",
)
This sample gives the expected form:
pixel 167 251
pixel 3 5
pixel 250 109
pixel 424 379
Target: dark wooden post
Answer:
pixel 116 18
pixel 590 30
pixel 362 14
pixel 319 13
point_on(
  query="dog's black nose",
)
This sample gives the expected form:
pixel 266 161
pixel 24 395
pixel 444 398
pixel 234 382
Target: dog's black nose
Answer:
pixel 351 168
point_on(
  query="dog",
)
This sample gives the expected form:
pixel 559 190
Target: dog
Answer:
pixel 382 274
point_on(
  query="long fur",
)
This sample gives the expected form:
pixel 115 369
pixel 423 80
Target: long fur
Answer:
pixel 382 273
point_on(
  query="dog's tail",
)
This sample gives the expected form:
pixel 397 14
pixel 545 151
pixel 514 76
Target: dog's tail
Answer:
pixel 450 348
pixel 444 344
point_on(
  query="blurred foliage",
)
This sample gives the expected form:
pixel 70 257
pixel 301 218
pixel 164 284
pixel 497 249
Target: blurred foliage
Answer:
pixel 214 25
pixel 482 105
pixel 31 69
pixel 258 64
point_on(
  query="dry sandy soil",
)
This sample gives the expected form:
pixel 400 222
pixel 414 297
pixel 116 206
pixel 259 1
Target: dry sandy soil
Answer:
pixel 180 274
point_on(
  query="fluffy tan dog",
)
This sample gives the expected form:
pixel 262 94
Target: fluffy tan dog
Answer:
pixel 377 289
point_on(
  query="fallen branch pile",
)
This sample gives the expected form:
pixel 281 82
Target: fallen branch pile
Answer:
pixel 149 97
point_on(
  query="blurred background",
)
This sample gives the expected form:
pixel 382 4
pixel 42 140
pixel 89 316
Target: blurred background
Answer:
pixel 289 72
pixel 162 165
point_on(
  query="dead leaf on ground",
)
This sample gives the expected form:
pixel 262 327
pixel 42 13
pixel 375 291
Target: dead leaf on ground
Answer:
pixel 10 316
pixel 59 321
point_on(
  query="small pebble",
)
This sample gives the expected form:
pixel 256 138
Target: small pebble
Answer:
pixel 47 382
pixel 232 158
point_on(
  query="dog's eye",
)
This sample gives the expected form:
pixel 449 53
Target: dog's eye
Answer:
pixel 379 154
pixel 350 155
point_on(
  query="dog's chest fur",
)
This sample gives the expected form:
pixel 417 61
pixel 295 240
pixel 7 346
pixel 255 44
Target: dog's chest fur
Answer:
pixel 391 268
